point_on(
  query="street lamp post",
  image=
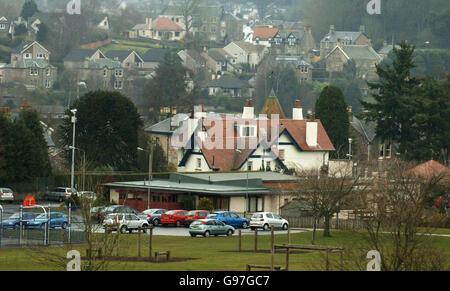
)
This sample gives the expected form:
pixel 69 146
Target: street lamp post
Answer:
pixel 84 165
pixel 150 168
pixel 74 121
pixel 350 156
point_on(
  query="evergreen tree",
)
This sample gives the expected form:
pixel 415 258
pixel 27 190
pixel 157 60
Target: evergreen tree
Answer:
pixel 29 8
pixel 393 107
pixel 106 129
pixel 331 109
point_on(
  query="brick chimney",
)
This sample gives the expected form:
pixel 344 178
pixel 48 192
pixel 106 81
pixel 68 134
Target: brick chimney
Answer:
pixel 297 111
pixel 332 28
pixel 362 28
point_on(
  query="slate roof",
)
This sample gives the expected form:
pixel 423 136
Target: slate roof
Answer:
pixel 361 52
pixel 102 63
pixel 218 54
pixel 366 129
pixel 272 106
pixel 121 55
pixel 296 60
pixel 32 63
pixel 335 36
pixel 227 82
pixel 386 49
pixel 79 55
pixel 23 46
pixel 249 47
pixel 154 55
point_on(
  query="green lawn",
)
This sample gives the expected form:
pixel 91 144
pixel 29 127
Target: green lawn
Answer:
pixel 209 253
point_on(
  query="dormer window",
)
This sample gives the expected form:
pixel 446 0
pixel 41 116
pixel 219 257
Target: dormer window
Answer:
pixel 27 56
pixel 40 56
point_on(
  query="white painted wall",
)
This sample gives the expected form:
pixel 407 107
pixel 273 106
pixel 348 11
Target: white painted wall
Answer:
pixel 237 204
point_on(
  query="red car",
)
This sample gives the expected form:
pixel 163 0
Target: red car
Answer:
pixel 176 217
pixel 195 215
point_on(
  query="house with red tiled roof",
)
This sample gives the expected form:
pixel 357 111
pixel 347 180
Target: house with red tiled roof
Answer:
pixel 161 28
pixel 263 34
pixel 245 142
pixel 432 170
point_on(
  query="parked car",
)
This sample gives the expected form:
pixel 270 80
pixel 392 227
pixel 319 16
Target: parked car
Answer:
pixel 120 209
pixel 207 227
pixel 173 217
pixel 195 215
pixel 230 218
pixel 6 194
pixel 154 215
pixel 13 222
pixel 266 220
pixel 87 195
pixel 95 213
pixel 125 222
pixel 58 194
pixel 57 219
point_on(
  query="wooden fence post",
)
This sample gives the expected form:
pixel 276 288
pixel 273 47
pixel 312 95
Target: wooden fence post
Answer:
pixel 118 240
pixel 272 248
pixel 327 264
pixel 150 242
pixel 288 249
pixel 240 241
pixel 139 242
pixel 256 239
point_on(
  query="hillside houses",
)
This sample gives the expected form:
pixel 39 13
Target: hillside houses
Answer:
pixel 334 37
pixel 30 65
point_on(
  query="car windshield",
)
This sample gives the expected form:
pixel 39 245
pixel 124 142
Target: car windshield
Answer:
pixel 198 222
pixel 41 216
pixel 170 212
pixel 213 215
pixel 110 208
pixel 15 216
pixel 191 213
pixel 7 191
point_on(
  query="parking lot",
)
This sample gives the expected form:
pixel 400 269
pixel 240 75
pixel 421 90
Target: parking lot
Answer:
pixel 77 226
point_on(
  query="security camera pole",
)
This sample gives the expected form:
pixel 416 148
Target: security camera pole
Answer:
pixel 74 121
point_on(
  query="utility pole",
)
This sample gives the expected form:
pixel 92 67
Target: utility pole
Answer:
pixel 150 167
pixel 74 121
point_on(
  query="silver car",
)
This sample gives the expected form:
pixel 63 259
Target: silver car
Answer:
pixel 6 194
pixel 125 222
pixel 154 215
pixel 266 220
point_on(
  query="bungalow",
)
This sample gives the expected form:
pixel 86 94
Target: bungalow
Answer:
pixel 237 192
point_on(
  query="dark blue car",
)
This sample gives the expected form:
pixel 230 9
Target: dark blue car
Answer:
pixel 229 218
pixel 56 220
pixel 13 222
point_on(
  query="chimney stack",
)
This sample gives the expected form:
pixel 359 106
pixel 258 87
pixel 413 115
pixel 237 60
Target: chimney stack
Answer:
pixel 332 28
pixel 362 28
pixel 350 113
pixel 311 133
pixel 86 62
pixel 297 111
pixel 249 110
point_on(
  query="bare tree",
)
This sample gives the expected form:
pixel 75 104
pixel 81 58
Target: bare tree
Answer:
pixel 394 221
pixel 325 194
pixel 188 9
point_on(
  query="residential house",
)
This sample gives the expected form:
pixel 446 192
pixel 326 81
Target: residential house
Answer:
pixel 333 38
pixel 103 74
pixel 129 59
pixel 161 28
pixel 386 49
pixel 193 60
pixel 4 26
pixel 153 57
pixel 368 147
pixel 364 56
pixel 245 53
pixel 262 35
pixel 301 66
pixel 292 41
pixel 218 61
pixel 77 57
pixel 230 85
pixel 248 143
pixel 102 22
pixel 30 65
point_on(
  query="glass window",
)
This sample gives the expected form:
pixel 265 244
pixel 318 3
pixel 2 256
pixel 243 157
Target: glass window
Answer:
pixel 234 215
pixel 282 152
pixel 225 214
pixel 249 166
pixel 388 150
pixel 199 163
pixel 269 215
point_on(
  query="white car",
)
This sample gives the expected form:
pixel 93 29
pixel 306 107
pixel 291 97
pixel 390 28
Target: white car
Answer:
pixel 125 222
pixel 6 194
pixel 266 220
